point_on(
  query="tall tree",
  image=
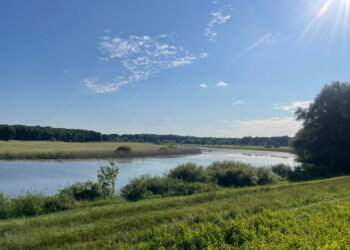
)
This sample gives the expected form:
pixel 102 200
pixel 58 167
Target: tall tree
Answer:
pixel 323 144
pixel 7 132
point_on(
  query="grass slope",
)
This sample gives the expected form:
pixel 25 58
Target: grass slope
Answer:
pixel 120 224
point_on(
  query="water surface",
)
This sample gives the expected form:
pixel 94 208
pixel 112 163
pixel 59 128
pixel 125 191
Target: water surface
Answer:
pixel 17 177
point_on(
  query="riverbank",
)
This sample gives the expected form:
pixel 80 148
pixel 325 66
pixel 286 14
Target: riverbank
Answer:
pixel 280 216
pixel 44 150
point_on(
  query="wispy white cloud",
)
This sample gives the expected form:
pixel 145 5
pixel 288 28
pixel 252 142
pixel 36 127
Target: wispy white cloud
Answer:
pixel 66 71
pixel 141 56
pixel 203 85
pixel 221 84
pixel 238 103
pixel 217 18
pixel 252 46
pixel 293 106
pixel 98 88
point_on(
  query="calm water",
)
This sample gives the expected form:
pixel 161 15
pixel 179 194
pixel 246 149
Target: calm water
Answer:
pixel 16 177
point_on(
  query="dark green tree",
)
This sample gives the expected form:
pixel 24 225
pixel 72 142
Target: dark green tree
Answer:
pixel 7 132
pixel 323 144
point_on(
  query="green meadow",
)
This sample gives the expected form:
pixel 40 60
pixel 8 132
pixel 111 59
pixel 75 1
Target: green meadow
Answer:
pixel 312 214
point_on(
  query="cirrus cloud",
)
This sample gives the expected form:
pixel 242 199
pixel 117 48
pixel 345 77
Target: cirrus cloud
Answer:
pixel 217 18
pixel 142 57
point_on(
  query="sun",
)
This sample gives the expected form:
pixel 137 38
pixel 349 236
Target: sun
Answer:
pixel 340 13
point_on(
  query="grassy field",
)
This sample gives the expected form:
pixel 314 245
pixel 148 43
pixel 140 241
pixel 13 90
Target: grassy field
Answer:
pixel 69 150
pixel 311 214
pixel 247 147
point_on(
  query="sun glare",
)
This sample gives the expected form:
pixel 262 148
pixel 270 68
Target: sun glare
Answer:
pixel 340 11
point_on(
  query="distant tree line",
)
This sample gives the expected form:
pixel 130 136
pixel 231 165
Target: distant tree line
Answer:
pixel 32 133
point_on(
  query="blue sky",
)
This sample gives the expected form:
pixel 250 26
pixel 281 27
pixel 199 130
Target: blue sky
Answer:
pixel 200 67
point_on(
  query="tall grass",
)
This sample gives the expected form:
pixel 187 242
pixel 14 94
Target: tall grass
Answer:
pixel 30 150
pixel 120 224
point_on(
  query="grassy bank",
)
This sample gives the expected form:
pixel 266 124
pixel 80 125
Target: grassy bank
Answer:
pixel 306 214
pixel 248 147
pixel 10 150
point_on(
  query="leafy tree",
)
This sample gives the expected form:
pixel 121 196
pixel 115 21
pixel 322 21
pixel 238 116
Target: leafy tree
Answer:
pixel 7 132
pixel 107 176
pixel 323 144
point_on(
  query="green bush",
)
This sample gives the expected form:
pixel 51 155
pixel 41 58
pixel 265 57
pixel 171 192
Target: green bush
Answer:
pixel 230 173
pixel 282 170
pixel 5 206
pixel 188 172
pixel 32 204
pixel 124 149
pixel 28 205
pixel 83 191
pixel 237 177
pixel 58 203
pixel 147 186
pixel 266 176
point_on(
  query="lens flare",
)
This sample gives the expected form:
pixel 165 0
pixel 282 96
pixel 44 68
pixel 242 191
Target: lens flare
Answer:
pixel 342 14
pixel 324 9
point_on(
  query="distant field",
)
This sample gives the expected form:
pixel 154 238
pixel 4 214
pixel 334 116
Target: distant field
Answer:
pixel 69 150
pixel 306 215
pixel 248 147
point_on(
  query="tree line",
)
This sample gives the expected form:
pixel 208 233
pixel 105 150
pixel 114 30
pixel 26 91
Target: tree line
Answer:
pixel 32 133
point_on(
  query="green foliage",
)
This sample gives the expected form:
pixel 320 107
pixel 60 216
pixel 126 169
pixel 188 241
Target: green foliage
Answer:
pixel 282 170
pixel 146 186
pixel 172 144
pixel 32 204
pixel 107 176
pixel 58 203
pixel 88 190
pixel 188 172
pixel 323 226
pixel 189 178
pixel 323 144
pixel 7 132
pixel 123 149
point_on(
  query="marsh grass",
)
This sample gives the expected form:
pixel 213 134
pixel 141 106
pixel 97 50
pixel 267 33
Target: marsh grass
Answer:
pixel 30 150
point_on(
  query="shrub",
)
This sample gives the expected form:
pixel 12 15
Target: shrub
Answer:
pixel 266 176
pixel 5 206
pixel 107 176
pixel 188 172
pixel 147 186
pixel 28 205
pixel 238 177
pixel 124 149
pixel 282 170
pixel 58 203
pixel 83 191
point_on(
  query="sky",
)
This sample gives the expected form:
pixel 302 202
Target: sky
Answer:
pixel 225 68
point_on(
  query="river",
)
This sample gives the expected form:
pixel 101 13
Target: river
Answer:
pixel 18 177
